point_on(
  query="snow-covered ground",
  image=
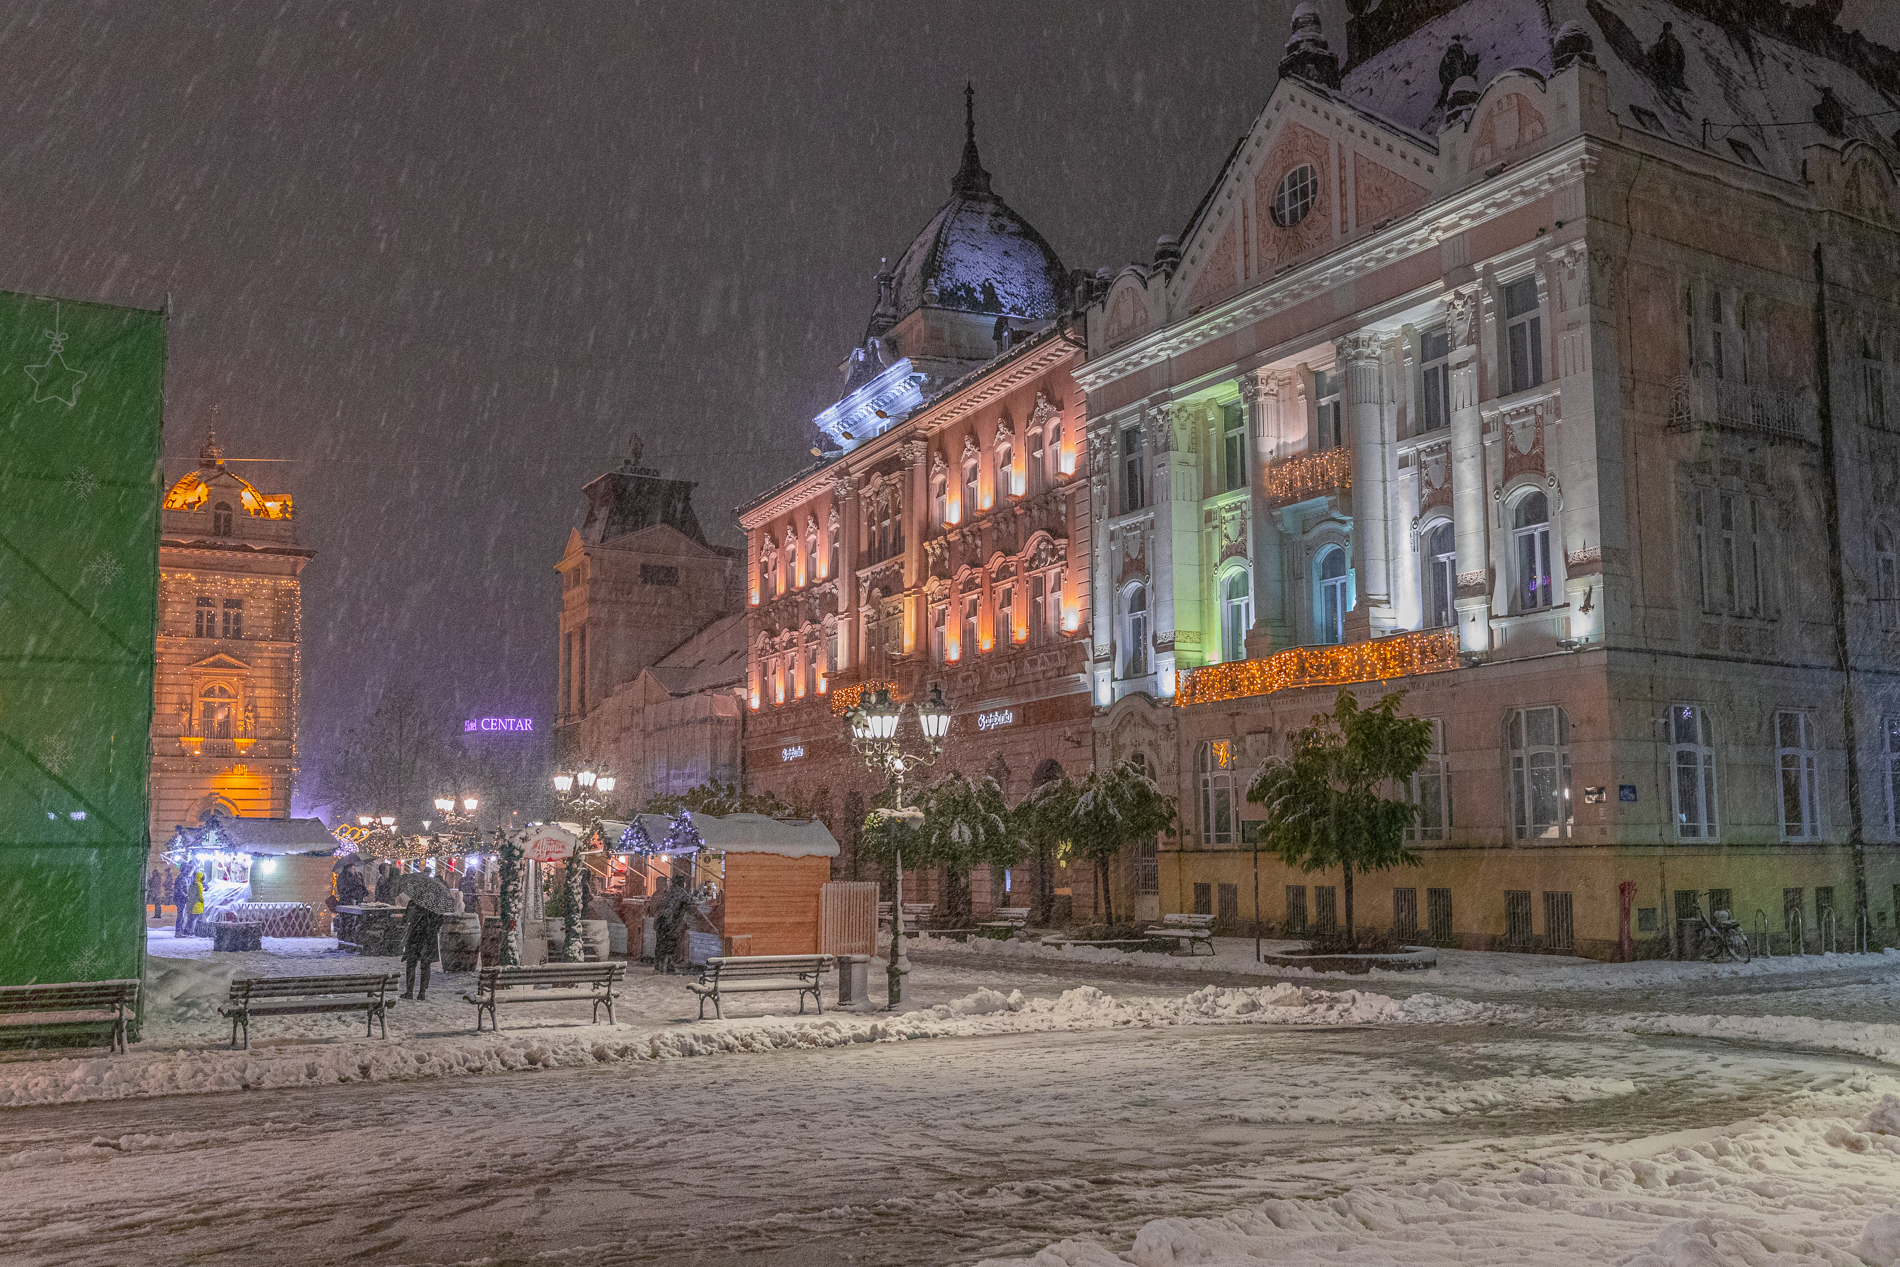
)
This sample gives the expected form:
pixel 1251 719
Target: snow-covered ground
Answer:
pixel 1039 1107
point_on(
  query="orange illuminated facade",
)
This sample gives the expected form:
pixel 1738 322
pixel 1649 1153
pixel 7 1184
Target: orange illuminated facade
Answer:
pixel 230 620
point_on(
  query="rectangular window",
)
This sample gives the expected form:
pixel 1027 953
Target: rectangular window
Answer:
pixel 1203 899
pixel 1646 921
pixel 1295 909
pixel 1438 914
pixel 1524 336
pixel 1517 918
pixel 1891 731
pixel 1131 470
pixel 207 618
pixel 969 626
pixel 1559 931
pixel 1217 799
pixel 1038 607
pixel 1147 867
pixel 1227 905
pixel 1795 756
pixel 1722 900
pixel 659 574
pixel 1729 553
pixel 937 617
pixel 1539 744
pixel 1234 446
pixel 1692 758
pixel 1434 397
pixel 1325 908
pixel 1331 419
pixel 1718 341
pixel 1006 615
pixel 1430 790
pixel 233 618
pixel 1405 913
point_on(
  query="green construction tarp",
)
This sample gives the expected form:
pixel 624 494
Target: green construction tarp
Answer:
pixel 81 402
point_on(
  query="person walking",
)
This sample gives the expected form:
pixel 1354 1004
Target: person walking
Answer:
pixel 181 902
pixel 420 927
pixel 350 889
pixel 197 899
pixel 155 893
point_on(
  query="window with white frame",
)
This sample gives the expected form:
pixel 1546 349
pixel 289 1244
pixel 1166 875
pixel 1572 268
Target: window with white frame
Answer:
pixel 1727 532
pixel 1038 607
pixel 969 489
pixel 1236 614
pixel 1006 615
pixel 1214 763
pixel 1873 381
pixel 1886 578
pixel 1330 421
pixel 938 614
pixel 1332 598
pixel 1523 336
pixel 1131 470
pixel 1538 740
pixel 1233 446
pixel 1052 451
pixel 1692 761
pixel 1135 631
pixel 1434 395
pixel 1721 338
pixel 1430 789
pixel 1796 758
pixel 834 648
pixel 1530 547
pixel 1890 732
pixel 1440 551
pixel 1005 478
pixel 940 499
pixel 970 607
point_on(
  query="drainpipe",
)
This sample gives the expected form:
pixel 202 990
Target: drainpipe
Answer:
pixel 1837 584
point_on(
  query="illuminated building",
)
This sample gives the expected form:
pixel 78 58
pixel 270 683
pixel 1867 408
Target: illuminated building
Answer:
pixel 230 621
pixel 1502 385
pixel 652 638
pixel 944 535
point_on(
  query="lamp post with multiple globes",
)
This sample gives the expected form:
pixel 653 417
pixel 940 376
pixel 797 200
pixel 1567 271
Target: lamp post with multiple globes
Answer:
pixel 582 795
pixel 874 738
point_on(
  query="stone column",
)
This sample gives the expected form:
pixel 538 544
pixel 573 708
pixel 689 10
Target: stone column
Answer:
pixel 1261 396
pixel 916 455
pixel 1469 497
pixel 844 491
pixel 1165 607
pixel 1101 595
pixel 1371 550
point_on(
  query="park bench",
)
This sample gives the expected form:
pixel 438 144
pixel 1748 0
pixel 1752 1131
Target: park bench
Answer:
pixel 367 993
pixel 63 1014
pixel 916 914
pixel 546 983
pixel 754 974
pixel 1190 930
pixel 1008 917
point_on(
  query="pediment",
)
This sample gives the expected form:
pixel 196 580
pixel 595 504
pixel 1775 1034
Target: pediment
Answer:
pixel 661 539
pixel 221 663
pixel 1349 172
pixel 1131 309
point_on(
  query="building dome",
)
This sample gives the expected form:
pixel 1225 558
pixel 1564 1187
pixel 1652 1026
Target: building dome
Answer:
pixel 976 255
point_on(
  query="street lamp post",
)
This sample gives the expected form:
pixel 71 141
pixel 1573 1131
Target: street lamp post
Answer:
pixel 583 794
pixel 874 738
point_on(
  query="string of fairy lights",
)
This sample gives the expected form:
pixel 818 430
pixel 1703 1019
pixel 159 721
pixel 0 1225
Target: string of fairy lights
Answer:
pixel 1402 655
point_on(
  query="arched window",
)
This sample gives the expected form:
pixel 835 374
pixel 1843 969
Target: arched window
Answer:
pixel 1135 632
pixel 940 499
pixel 1886 578
pixel 1052 450
pixel 1441 576
pixel 1530 546
pixel 1330 621
pixel 1005 470
pixel 837 546
pixel 969 489
pixel 215 704
pixel 1236 615
pixel 1214 763
pixel 221 519
pixel 795 560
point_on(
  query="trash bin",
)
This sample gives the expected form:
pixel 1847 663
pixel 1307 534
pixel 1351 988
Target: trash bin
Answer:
pixel 854 983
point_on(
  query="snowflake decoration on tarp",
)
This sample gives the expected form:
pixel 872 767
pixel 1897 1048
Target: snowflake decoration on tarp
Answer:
pixel 82 484
pixel 56 753
pixel 53 379
pixel 682 834
pixel 103 570
pixel 635 839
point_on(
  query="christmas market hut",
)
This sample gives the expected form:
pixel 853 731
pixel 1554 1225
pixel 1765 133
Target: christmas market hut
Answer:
pixel 271 871
pixel 768 873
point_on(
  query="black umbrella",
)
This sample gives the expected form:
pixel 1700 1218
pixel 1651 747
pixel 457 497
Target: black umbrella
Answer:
pixel 425 891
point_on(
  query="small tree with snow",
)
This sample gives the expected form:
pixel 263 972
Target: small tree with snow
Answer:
pixel 1113 809
pixel 967 824
pixel 509 847
pixel 1324 799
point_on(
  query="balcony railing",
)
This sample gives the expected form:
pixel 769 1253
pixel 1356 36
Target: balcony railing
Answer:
pixel 1401 655
pixel 1309 475
pixel 1702 400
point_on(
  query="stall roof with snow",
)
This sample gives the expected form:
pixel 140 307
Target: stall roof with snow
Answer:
pixel 260 836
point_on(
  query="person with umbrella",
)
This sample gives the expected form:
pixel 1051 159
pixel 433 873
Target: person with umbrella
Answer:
pixel 427 901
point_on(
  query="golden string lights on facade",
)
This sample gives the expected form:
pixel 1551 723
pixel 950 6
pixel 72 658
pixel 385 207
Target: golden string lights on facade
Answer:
pixel 845 698
pixel 1403 655
pixel 1309 475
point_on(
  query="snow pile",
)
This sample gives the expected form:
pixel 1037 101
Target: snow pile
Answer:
pixel 1877 1042
pixel 1774 1192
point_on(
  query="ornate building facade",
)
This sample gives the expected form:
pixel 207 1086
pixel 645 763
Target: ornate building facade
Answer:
pixel 652 638
pixel 1505 385
pixel 230 625
pixel 944 538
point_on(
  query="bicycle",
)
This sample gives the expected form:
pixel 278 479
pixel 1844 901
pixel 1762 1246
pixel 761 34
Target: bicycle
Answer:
pixel 1722 937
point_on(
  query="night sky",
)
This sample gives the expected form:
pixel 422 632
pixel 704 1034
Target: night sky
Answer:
pixel 446 258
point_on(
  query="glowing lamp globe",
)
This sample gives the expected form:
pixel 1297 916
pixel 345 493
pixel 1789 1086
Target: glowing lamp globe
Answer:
pixel 363 820
pixel 883 713
pixel 469 803
pixel 585 778
pixel 388 820
pixel 934 716
pixel 605 783
pixel 563 782
pixel 444 803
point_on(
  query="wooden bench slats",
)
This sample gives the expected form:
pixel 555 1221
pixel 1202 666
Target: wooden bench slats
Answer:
pixel 69 1008
pixel 503 984
pixel 294 996
pixel 1192 930
pixel 753 974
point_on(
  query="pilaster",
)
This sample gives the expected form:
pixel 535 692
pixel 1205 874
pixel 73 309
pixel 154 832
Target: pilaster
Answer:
pixel 1469 488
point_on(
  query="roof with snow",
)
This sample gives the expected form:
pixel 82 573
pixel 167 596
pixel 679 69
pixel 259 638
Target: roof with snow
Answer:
pixel 713 657
pixel 263 836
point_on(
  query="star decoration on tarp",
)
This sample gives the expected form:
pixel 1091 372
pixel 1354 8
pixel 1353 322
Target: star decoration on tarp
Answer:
pixel 53 379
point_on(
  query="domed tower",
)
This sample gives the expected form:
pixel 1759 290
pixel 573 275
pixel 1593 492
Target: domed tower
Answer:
pixel 977 281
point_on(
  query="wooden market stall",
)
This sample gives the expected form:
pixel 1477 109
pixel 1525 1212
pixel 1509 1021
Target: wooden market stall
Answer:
pixel 773 872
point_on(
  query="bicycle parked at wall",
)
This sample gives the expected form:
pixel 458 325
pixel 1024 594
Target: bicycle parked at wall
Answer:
pixel 1720 935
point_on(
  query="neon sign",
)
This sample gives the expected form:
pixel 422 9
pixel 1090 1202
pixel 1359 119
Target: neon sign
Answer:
pixel 792 753
pixel 486 725
pixel 1001 717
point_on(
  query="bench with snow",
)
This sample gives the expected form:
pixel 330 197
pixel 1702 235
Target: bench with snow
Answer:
pixel 916 914
pixel 1189 930
pixel 64 1014
pixel 366 992
pixel 757 974
pixel 546 983
pixel 1008 917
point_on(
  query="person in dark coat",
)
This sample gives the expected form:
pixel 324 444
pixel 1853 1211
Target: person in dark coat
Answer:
pixel 385 877
pixel 420 927
pixel 350 889
pixel 181 901
pixel 155 893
